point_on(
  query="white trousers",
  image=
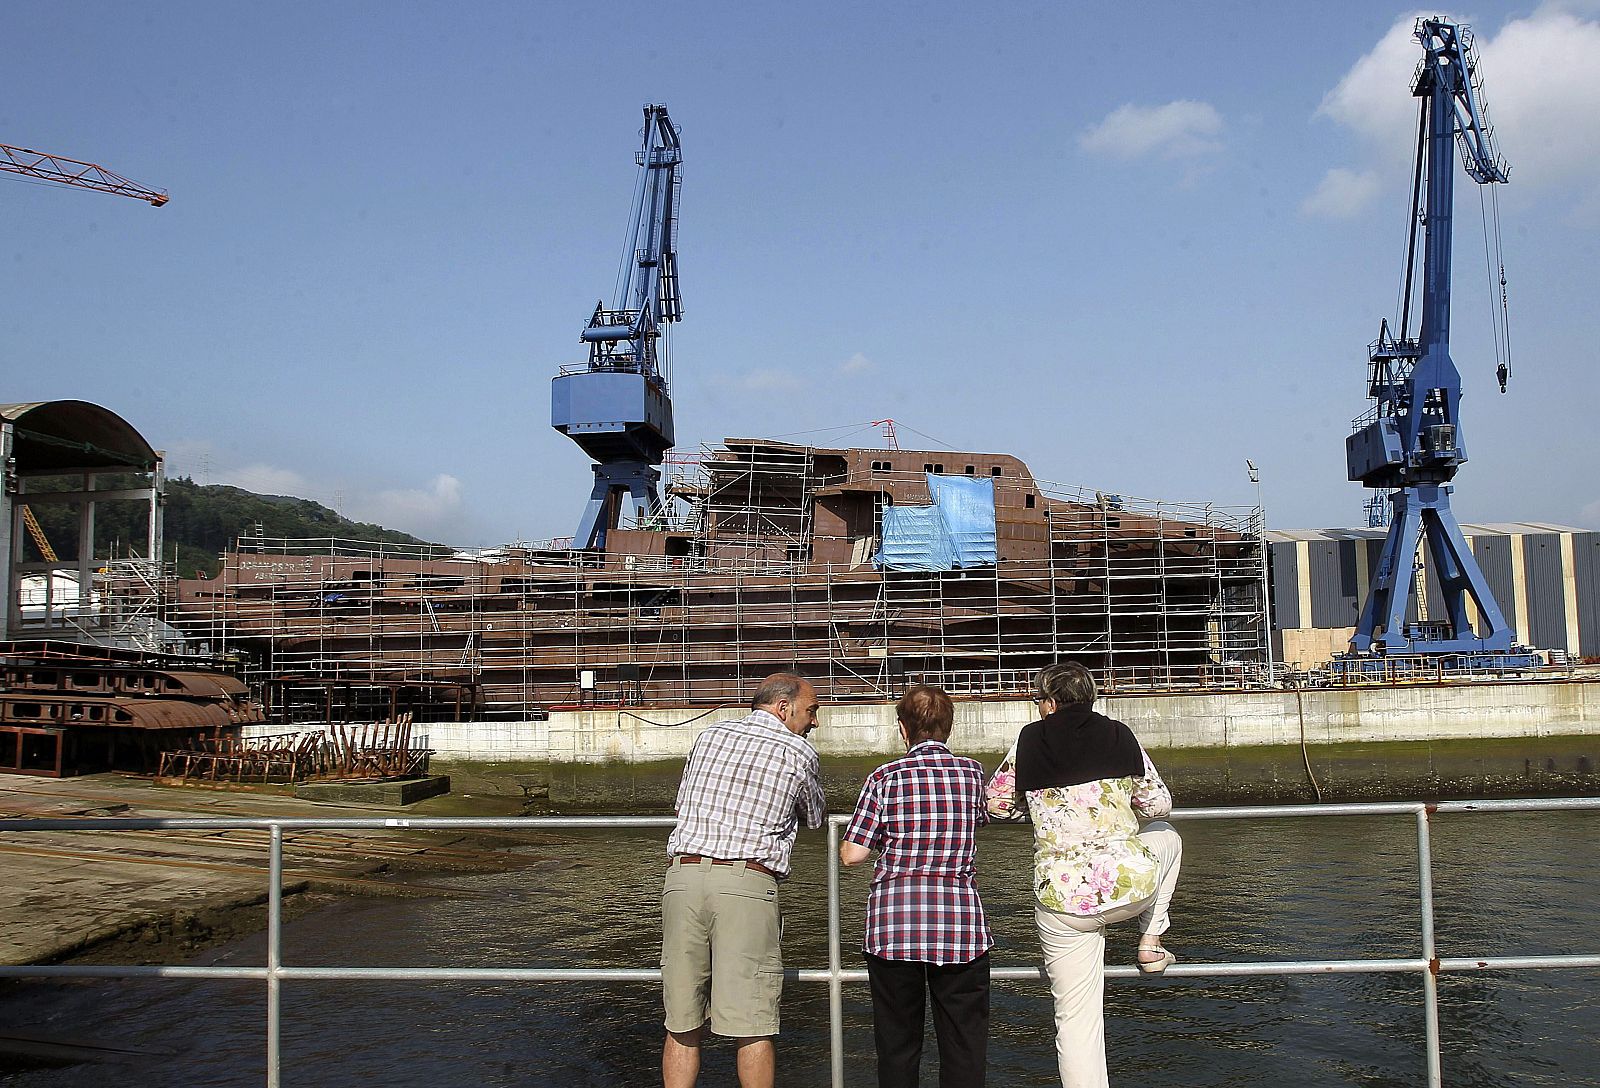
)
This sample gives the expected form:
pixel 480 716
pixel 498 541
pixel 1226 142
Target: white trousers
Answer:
pixel 1074 957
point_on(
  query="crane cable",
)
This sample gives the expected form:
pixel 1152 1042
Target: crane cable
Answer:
pixel 1418 167
pixel 1493 259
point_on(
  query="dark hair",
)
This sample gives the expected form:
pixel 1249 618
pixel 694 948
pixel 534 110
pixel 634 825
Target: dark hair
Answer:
pixel 1068 683
pixel 926 712
pixel 777 688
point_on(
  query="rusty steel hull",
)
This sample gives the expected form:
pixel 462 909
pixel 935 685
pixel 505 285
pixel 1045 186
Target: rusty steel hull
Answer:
pixel 771 568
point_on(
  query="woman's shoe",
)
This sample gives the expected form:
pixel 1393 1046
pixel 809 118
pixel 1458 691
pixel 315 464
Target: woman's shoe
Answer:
pixel 1159 960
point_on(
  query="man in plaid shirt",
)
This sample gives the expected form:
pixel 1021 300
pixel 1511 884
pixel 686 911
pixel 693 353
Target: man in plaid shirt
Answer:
pixel 746 787
pixel 926 932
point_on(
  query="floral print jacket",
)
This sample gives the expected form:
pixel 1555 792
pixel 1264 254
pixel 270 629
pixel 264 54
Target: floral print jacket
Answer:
pixel 1087 857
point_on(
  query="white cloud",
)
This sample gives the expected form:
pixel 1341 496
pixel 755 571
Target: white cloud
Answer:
pixel 1544 95
pixel 268 480
pixel 1373 98
pixel 768 380
pixel 1343 194
pixel 1180 129
pixel 434 512
pixel 856 364
pixel 1540 85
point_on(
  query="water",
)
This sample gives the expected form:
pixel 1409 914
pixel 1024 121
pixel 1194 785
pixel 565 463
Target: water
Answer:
pixel 1251 890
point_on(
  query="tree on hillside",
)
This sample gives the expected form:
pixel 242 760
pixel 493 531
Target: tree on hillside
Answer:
pixel 200 522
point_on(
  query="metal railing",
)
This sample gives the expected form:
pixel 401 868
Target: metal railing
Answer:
pixel 1429 965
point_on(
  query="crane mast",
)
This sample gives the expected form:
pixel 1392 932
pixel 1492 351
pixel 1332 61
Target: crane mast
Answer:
pixel 1410 443
pixel 617 406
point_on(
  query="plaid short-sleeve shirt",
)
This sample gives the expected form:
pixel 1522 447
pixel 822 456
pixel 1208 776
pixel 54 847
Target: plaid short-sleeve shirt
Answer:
pixel 923 811
pixel 746 787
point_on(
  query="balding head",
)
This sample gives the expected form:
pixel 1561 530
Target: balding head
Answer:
pixel 790 698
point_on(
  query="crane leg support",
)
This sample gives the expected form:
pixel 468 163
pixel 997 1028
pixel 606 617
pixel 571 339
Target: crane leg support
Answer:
pixel 612 482
pixel 1423 513
pixel 1385 607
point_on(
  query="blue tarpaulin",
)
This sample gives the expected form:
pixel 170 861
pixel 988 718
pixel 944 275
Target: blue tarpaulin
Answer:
pixel 956 531
pixel 914 538
pixel 967 507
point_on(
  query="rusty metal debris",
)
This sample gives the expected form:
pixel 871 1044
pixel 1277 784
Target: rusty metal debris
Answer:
pixel 373 752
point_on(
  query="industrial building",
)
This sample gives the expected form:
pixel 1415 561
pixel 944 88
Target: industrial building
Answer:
pixel 1546 579
pixel 84 685
pixel 70 453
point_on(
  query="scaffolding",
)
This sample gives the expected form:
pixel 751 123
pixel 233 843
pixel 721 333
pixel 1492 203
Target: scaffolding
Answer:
pixel 765 560
pixel 86 597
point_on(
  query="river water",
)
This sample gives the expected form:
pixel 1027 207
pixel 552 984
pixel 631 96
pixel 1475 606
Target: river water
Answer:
pixel 1253 889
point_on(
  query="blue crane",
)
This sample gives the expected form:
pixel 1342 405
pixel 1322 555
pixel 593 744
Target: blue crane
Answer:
pixel 617 406
pixel 1410 443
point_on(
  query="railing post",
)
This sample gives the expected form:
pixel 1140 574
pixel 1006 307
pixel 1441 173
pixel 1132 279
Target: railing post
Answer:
pixel 274 950
pixel 1430 972
pixel 835 985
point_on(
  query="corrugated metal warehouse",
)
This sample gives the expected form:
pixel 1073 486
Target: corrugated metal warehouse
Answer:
pixel 1546 579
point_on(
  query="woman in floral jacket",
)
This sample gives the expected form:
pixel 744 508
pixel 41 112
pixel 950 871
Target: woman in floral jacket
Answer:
pixel 1085 781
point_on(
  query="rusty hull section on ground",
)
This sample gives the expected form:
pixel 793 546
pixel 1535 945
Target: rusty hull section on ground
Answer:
pixel 67 709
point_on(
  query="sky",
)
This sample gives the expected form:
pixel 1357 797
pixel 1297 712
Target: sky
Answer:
pixel 1134 246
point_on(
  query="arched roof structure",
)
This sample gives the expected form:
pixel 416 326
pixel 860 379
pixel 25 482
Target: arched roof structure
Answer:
pixel 74 436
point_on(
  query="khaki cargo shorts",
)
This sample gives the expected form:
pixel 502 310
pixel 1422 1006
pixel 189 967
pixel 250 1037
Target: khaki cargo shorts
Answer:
pixel 721 949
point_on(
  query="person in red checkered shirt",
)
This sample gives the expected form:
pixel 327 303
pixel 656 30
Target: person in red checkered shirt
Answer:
pixel 926 932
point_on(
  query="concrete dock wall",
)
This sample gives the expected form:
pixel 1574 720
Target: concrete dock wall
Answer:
pixel 1464 711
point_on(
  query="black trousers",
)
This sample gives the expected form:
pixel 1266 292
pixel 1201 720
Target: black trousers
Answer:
pixel 960 1019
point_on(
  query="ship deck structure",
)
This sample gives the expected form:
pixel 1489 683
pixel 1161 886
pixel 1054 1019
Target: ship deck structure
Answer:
pixel 865 569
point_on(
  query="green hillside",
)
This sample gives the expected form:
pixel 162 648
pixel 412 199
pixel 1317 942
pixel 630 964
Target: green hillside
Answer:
pixel 201 522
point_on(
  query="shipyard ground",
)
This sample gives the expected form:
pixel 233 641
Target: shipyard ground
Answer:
pixel 141 896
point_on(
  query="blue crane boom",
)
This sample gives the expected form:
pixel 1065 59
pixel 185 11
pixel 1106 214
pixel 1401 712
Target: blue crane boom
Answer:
pixel 1410 443
pixel 617 406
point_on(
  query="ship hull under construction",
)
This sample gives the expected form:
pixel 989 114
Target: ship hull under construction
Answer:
pixel 777 556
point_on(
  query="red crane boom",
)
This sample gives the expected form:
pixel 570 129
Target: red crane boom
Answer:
pixel 85 175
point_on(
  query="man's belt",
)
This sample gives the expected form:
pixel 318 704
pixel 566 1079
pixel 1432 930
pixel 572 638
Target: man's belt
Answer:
pixel 696 859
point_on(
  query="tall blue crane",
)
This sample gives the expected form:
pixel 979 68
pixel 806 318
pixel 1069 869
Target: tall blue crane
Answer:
pixel 617 406
pixel 1410 442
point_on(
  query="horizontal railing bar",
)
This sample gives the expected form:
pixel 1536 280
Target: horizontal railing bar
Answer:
pixel 803 974
pixel 1274 967
pixel 653 974
pixel 1514 963
pixel 527 823
pixel 298 823
pixel 473 974
pixel 115 971
pixel 1190 970
pixel 1518 804
pixel 1242 812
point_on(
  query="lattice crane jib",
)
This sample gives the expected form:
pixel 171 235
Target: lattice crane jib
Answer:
pixel 36 531
pixel 42 166
pixel 1410 443
pixel 617 405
